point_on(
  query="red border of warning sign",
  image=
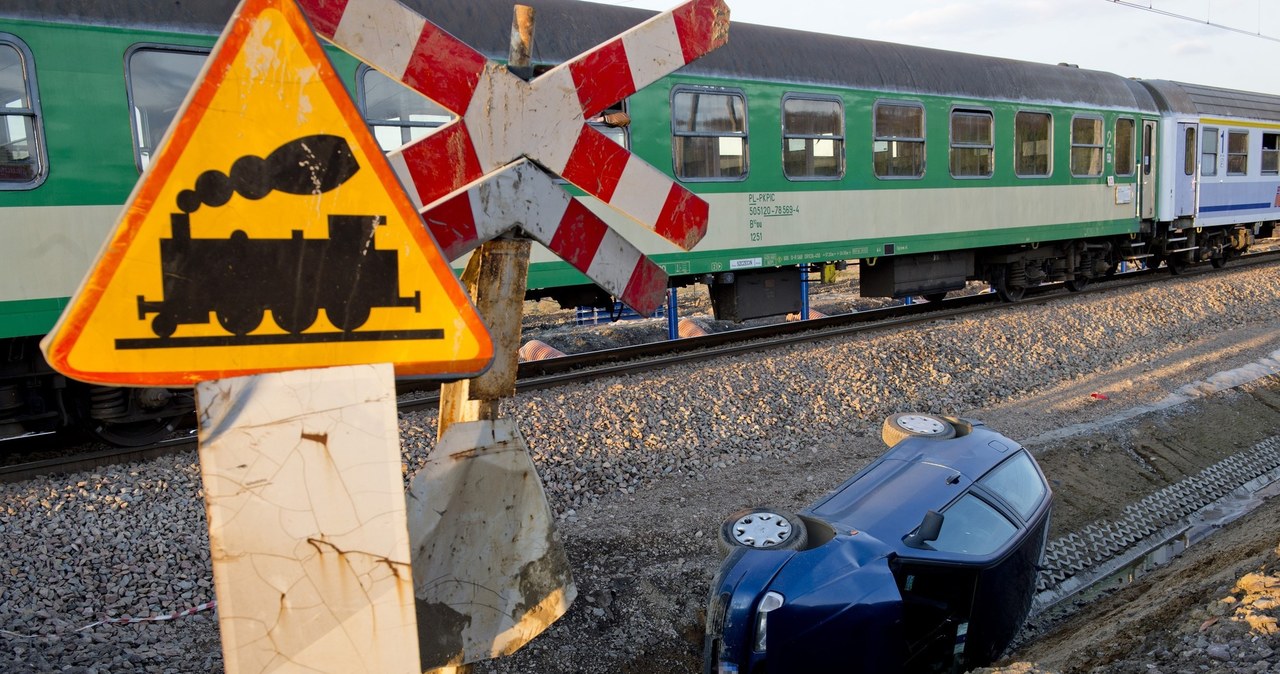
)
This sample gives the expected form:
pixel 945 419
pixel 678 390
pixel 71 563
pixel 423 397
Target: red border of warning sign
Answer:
pixel 61 341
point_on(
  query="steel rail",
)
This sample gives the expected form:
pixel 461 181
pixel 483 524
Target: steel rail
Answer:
pixel 538 375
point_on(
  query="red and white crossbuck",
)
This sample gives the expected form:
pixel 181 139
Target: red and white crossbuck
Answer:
pixel 461 175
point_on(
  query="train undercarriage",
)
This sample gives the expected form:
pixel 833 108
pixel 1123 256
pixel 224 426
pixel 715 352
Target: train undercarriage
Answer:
pixel 35 400
pixel 1011 271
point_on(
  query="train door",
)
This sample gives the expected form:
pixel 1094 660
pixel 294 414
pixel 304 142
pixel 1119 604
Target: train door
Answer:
pixel 1185 182
pixel 1147 176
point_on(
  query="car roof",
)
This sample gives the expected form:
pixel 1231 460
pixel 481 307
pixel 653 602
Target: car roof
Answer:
pixel 890 497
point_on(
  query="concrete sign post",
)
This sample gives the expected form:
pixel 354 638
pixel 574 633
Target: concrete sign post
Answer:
pixel 307 521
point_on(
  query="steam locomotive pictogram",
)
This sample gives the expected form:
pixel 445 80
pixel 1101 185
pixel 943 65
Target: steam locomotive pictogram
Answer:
pixel 239 279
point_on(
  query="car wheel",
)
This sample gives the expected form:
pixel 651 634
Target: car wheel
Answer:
pixel 901 426
pixel 763 529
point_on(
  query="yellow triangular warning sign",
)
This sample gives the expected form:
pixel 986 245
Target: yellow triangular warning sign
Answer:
pixel 268 234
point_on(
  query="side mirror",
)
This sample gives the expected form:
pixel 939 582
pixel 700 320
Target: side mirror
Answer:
pixel 928 530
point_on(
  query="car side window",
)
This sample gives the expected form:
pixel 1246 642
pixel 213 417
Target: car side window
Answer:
pixel 1017 482
pixel 972 527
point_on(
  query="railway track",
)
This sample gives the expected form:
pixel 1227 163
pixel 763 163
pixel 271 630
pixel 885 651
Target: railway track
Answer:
pixel 577 368
pixel 680 560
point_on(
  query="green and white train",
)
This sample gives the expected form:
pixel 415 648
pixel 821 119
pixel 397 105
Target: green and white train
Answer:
pixel 930 168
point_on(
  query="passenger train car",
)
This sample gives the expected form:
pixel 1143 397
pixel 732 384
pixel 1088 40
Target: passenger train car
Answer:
pixel 930 168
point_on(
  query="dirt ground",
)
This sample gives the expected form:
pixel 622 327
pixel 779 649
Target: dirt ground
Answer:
pixel 643 563
pixel 1135 628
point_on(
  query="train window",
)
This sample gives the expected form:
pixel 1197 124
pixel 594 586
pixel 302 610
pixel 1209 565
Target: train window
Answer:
pixel 1086 146
pixel 1209 152
pixel 395 113
pixel 709 134
pixel 1270 154
pixel 1033 139
pixel 22 156
pixel 972 148
pixel 614 123
pixel 1237 153
pixel 812 138
pixel 1125 163
pixel 1189 153
pixel 158 78
pixel 899 140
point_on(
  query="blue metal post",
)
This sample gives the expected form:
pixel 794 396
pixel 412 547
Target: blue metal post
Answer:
pixel 673 320
pixel 804 292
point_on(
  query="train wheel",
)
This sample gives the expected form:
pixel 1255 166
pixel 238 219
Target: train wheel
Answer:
pixel 1004 290
pixel 164 325
pixel 1218 261
pixel 239 321
pixel 133 434
pixel 934 298
pixel 295 321
pixel 347 317
pixel 1077 284
pixel 1177 264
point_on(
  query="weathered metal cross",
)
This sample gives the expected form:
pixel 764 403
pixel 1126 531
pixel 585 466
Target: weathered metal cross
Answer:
pixel 462 176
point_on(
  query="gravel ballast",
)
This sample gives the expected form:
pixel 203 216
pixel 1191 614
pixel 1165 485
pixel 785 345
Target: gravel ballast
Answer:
pixel 690 443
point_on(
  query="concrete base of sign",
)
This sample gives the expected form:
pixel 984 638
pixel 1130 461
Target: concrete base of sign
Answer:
pixel 305 498
pixel 489 571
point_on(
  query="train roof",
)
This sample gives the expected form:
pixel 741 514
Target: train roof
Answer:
pixel 569 27
pixel 1198 100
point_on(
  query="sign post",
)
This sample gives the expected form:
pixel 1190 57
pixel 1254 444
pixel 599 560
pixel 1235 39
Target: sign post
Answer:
pixel 478 516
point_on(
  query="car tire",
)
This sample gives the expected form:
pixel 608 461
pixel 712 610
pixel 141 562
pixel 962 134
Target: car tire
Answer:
pixel 762 529
pixel 899 427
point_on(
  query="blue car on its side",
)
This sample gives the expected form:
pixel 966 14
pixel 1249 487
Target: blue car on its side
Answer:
pixel 924 561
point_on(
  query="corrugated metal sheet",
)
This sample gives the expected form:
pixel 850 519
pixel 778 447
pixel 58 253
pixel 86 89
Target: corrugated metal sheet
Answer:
pixel 1197 99
pixel 567 28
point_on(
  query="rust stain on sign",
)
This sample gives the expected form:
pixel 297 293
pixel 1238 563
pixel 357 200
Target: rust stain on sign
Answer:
pixel 307 522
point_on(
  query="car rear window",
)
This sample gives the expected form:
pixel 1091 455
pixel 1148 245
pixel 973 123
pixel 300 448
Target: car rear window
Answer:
pixel 1017 482
pixel 972 527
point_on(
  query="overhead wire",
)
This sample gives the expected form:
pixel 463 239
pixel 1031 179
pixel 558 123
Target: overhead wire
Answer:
pixel 1149 7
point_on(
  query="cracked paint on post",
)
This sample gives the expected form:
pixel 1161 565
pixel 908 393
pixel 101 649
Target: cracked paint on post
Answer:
pixel 307 524
pixel 489 570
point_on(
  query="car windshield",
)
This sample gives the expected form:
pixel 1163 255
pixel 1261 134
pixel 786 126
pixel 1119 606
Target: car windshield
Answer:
pixel 974 528
pixel 1018 482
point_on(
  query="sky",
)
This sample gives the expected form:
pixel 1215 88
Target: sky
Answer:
pixel 1095 34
